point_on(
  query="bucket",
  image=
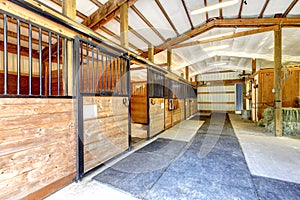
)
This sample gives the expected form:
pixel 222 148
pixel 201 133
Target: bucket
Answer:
pixel 246 114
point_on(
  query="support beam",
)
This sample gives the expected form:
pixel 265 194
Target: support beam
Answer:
pixel 291 6
pixel 105 13
pixel 278 82
pixel 187 73
pixel 60 3
pixel 263 9
pixel 124 25
pixel 253 65
pixel 69 8
pixel 206 13
pixel 241 10
pixel 219 23
pixel 169 59
pixel 151 53
pixel 187 14
pixel 220 11
pixel 234 35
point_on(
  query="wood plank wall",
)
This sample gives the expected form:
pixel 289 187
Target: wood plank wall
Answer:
pixel 265 97
pixel 139 110
pixel 105 131
pixel 37 146
pixel 168 115
pixel 156 114
pixel 181 107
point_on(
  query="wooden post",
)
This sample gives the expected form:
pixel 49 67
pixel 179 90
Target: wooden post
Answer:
pixel 187 73
pixel 69 10
pixel 244 91
pixel 253 65
pixel 151 53
pixel 182 75
pixel 278 82
pixel 191 80
pixel 169 59
pixel 196 81
pixel 124 25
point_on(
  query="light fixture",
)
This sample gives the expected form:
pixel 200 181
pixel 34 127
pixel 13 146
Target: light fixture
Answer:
pixel 214 7
pixel 215 47
pixel 215 36
pixel 217 64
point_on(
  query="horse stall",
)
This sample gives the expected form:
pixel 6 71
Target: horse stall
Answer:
pixel 174 102
pixel 38 131
pixel 103 104
pixel 190 101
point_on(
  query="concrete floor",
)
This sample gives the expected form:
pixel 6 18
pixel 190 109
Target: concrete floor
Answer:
pixel 266 156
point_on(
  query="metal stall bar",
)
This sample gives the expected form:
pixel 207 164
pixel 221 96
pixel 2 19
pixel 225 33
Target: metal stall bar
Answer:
pixel 102 72
pixel 30 57
pixel 5 59
pixel 40 61
pixel 65 67
pixel 18 57
pixel 129 102
pixel 148 106
pixel 58 65
pixel 79 120
pixel 87 69
pixel 110 72
pixel 50 64
pixel 93 74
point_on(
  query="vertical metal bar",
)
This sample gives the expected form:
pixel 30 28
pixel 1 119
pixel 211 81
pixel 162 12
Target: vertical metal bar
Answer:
pixel 87 68
pixel 40 61
pixel 79 132
pixel 18 57
pixel 81 68
pixel 65 67
pixel 115 74
pixel 111 71
pixel 148 106
pixel 102 72
pixel 50 63
pixel 58 65
pixel 5 59
pixel 93 72
pixel 129 105
pixel 97 70
pixel 121 77
pixel 106 73
pixel 30 58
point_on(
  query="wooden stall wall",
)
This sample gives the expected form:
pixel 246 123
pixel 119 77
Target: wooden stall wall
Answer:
pixel 187 108
pixel 181 107
pixel 176 114
pixel 37 146
pixel 156 111
pixel 263 96
pixel 105 129
pixel 193 105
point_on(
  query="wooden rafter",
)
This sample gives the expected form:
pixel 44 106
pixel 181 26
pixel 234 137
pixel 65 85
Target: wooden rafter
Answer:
pixel 234 35
pixel 79 14
pixel 107 31
pixel 147 22
pixel 241 9
pixel 187 14
pixel 166 16
pixel 105 13
pixel 220 11
pixel 291 6
pixel 226 23
pixel 97 3
pixel 263 9
pixel 206 13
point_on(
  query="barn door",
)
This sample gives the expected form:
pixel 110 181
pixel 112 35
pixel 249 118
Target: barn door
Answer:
pixel 103 104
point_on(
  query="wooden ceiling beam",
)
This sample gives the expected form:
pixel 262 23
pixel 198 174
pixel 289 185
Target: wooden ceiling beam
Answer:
pixel 224 23
pixel 206 13
pixel 291 6
pixel 234 35
pixel 105 13
pixel 147 22
pixel 220 11
pixel 263 9
pixel 97 3
pixel 241 9
pixel 187 14
pixel 167 16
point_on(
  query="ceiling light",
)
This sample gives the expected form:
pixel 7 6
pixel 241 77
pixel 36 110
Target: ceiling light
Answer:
pixel 214 7
pixel 215 36
pixel 215 47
